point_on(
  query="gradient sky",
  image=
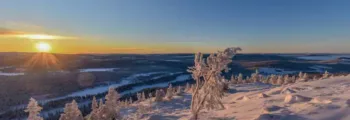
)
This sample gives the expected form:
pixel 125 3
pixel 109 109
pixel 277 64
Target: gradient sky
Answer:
pixel 177 26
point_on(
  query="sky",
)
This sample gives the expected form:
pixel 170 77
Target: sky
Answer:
pixel 176 26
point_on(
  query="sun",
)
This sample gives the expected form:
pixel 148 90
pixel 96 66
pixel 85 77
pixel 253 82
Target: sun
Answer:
pixel 43 47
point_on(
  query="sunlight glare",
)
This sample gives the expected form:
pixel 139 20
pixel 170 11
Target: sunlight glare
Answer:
pixel 43 47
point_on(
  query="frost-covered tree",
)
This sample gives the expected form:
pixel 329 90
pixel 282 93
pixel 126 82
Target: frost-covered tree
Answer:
pixel 287 79
pixel 158 97
pixel 188 87
pixel 325 75
pixel 301 75
pixel 240 78
pixel 33 109
pixel 293 79
pixel 110 108
pixel 71 112
pixel 94 112
pixel 233 79
pixel 208 76
pixel 169 92
pixel 130 100
pixel 143 96
pixel 280 80
pixel 179 90
pixel 305 76
pixel 273 79
pixel 255 76
pixel 139 97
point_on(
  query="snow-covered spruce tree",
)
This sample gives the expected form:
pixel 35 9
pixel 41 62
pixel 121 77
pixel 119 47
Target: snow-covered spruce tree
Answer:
pixel 301 75
pixel 305 76
pixel 188 87
pixel 286 79
pixel 169 93
pixel 293 79
pixel 179 90
pixel 233 79
pixel 255 76
pixel 207 74
pixel 325 75
pixel 280 80
pixel 139 97
pixel 158 97
pixel 71 112
pixel 143 96
pixel 130 100
pixel 240 78
pixel 273 79
pixel 110 110
pixel 94 112
pixel 33 109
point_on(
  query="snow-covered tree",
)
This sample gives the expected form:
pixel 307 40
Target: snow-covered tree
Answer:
pixel 305 76
pixel 255 76
pixel 208 76
pixel 94 115
pixel 280 80
pixel 273 79
pixel 158 97
pixel 325 75
pixel 287 79
pixel 301 75
pixel 143 96
pixel 233 80
pixel 188 87
pixel 130 100
pixel 179 90
pixel 139 97
pixel 71 112
pixel 169 92
pixel 33 109
pixel 110 108
pixel 240 78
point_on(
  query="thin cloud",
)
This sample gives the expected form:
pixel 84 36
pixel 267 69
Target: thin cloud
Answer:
pixel 4 32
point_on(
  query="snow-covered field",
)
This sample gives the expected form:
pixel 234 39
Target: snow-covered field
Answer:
pixel 320 68
pixel 325 57
pixel 326 99
pixel 276 71
pixel 98 70
pixel 11 74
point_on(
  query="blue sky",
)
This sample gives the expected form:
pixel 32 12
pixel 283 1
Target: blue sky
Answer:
pixel 205 25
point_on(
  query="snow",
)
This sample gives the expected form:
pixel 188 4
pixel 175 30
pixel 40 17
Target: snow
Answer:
pixel 173 60
pixel 98 70
pixel 320 68
pixel 101 89
pixel 325 99
pixel 276 71
pixel 11 74
pixel 325 57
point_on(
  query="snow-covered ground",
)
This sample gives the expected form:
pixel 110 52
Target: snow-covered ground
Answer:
pixel 98 70
pixel 326 99
pixel 276 71
pixel 320 68
pixel 323 57
pixel 11 74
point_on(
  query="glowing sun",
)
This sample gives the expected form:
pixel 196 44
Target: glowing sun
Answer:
pixel 43 47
